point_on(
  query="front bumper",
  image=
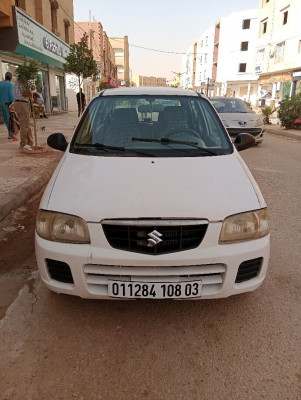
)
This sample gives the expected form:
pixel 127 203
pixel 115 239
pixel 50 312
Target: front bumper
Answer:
pixel 91 266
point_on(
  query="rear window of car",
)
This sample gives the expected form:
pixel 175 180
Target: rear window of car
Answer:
pixel 151 125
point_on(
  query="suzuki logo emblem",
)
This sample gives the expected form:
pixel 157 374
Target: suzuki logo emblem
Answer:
pixel 242 123
pixel 154 238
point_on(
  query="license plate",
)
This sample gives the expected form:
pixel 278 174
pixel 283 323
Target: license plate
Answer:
pixel 154 290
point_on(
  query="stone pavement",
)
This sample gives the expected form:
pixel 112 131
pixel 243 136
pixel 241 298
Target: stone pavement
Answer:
pixel 22 175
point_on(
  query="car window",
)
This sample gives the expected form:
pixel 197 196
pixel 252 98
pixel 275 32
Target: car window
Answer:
pixel 160 125
pixel 231 105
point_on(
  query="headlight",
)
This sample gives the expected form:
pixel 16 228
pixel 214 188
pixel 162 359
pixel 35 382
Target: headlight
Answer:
pixel 59 227
pixel 225 124
pixel 245 226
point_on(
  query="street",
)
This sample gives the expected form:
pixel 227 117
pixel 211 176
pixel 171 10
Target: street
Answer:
pixel 244 347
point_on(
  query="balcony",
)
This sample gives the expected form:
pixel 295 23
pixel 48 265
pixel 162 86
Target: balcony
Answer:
pixel 6 14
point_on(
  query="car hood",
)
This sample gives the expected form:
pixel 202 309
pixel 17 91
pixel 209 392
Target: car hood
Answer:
pixel 97 188
pixel 241 120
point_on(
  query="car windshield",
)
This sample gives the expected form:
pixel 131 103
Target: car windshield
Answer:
pixel 155 126
pixel 230 105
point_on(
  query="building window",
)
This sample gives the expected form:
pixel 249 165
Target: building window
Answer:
pixel 244 46
pixel 285 16
pixel 201 43
pixel 246 24
pixel 54 6
pixel 21 4
pixel 205 60
pixel 264 26
pixel 299 47
pixel 242 67
pixel 206 40
pixel 279 53
pixel 67 25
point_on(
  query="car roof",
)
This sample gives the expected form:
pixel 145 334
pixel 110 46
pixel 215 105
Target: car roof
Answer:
pixel 224 98
pixel 148 91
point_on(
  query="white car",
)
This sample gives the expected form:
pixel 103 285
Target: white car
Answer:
pixel 152 204
pixel 238 117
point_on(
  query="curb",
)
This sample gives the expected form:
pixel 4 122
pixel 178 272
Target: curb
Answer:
pixel 20 195
pixel 283 133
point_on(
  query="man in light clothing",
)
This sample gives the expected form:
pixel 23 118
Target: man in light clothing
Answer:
pixel 22 109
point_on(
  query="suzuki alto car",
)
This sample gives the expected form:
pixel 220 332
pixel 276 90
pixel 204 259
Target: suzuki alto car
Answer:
pixel 151 200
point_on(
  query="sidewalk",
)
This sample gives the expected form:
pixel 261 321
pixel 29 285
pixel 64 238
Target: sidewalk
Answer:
pixel 22 175
pixel 277 129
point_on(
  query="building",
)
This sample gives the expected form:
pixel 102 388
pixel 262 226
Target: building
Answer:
pixel 121 50
pixel 148 81
pixel 235 41
pixel 104 56
pixel 198 62
pixel 278 55
pixel 38 30
pixel 187 69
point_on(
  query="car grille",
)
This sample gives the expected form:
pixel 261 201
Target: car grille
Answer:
pixel 235 131
pixel 166 236
pixel 97 276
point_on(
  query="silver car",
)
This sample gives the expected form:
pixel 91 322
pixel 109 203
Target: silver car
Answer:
pixel 238 117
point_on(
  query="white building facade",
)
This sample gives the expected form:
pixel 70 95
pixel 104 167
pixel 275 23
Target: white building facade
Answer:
pixel 234 55
pixel 198 62
pixel 278 55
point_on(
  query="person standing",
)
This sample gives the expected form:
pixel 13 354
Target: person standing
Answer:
pixel 7 97
pixel 81 101
pixel 22 109
pixel 14 124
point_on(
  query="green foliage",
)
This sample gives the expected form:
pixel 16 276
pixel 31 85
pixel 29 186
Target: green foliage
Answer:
pixel 289 110
pixel 267 111
pixel 103 86
pixel 28 75
pixel 80 60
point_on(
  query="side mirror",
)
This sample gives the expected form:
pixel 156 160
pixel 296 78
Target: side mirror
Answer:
pixel 57 141
pixel 244 141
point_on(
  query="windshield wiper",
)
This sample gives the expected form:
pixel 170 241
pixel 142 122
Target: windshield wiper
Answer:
pixel 171 141
pixel 101 146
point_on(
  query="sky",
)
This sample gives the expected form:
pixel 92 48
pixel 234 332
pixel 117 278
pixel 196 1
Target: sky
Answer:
pixel 162 25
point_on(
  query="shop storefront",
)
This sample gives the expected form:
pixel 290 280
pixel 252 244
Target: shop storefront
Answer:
pixel 277 85
pixel 28 40
pixel 296 78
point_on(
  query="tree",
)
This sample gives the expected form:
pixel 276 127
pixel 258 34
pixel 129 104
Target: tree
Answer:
pixel 28 76
pixel 289 110
pixel 80 62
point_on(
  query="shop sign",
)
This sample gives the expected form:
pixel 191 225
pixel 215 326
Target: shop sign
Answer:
pixel 54 47
pixel 35 39
pixel 296 74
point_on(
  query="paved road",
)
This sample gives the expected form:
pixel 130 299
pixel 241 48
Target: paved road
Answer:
pixel 245 347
